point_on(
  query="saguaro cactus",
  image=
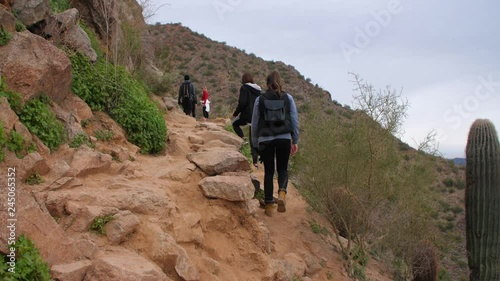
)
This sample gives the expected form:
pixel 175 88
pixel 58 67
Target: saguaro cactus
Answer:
pixel 482 201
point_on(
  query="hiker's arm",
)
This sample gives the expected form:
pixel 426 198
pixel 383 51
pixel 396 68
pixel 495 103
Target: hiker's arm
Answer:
pixel 242 101
pixel 255 123
pixel 180 95
pixel 295 120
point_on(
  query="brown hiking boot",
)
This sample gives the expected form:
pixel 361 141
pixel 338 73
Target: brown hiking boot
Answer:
pixel 281 201
pixel 269 211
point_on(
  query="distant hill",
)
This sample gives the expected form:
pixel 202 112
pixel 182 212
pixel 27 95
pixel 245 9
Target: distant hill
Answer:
pixel 219 67
pixel 459 161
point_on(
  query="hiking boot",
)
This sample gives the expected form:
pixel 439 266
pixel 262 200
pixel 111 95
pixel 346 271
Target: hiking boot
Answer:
pixel 281 201
pixel 269 211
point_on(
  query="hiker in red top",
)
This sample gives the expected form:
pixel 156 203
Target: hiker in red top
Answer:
pixel 205 102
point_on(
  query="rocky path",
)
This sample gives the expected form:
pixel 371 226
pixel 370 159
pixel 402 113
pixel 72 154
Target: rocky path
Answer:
pixel 185 215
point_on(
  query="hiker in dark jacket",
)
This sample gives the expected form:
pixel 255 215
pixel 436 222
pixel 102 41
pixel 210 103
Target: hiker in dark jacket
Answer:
pixel 187 97
pixel 249 91
pixel 276 140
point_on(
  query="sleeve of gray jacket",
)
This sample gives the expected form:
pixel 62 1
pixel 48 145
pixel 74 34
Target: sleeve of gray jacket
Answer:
pixel 295 120
pixel 255 123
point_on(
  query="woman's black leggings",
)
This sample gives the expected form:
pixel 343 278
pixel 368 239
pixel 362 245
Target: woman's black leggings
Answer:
pixel 269 151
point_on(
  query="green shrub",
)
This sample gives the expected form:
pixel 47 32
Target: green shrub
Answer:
pixel 15 143
pixel 123 98
pixel 317 228
pixel 143 122
pixel 35 178
pixel 41 121
pixel 31 148
pixel 79 140
pixel 443 275
pixel 14 98
pixel 99 223
pixel 105 135
pixel 4 37
pixel 29 263
pixel 20 26
pixel 58 6
pixel 2 142
pixel 448 182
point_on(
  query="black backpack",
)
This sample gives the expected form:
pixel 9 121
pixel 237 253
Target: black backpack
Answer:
pixel 275 118
pixel 187 96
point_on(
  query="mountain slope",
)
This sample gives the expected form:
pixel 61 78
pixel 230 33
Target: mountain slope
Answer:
pixel 219 67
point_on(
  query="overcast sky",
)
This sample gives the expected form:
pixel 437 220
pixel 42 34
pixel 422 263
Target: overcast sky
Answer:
pixel 445 55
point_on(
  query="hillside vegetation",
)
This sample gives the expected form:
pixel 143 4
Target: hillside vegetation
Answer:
pixel 387 202
pixel 393 199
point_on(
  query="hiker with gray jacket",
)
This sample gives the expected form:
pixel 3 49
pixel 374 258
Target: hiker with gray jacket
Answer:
pixel 275 131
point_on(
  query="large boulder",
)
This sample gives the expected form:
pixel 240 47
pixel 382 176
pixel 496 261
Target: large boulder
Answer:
pixel 88 161
pixel 121 226
pixel 30 12
pixel 124 266
pixel 161 248
pixel 31 65
pixel 137 199
pixel 7 19
pixel 36 223
pixel 7 116
pixel 231 188
pixel 70 271
pixel 63 28
pixel 218 161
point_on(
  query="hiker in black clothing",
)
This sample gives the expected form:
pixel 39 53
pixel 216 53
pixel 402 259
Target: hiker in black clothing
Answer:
pixel 275 131
pixel 187 97
pixel 249 91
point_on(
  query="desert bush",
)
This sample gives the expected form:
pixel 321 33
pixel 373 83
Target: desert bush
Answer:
pixel 57 6
pixel 99 223
pixel 105 135
pixel 123 98
pixel 4 37
pixel 354 174
pixel 15 143
pixel 29 263
pixel 79 140
pixel 37 116
pixel 448 182
pixel 14 98
pixel 3 140
pixel 34 178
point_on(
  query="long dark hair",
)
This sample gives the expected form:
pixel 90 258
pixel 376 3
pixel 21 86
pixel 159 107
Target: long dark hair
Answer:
pixel 274 83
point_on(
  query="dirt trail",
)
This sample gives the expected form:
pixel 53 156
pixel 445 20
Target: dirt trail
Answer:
pixel 227 238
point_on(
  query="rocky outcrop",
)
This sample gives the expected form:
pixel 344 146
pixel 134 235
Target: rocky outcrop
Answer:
pixel 86 161
pixel 217 161
pixel 63 29
pixel 71 271
pixel 124 266
pixel 123 224
pixel 162 248
pixel 37 224
pixel 30 12
pixel 42 67
pixel 7 19
pixel 7 116
pixel 231 188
